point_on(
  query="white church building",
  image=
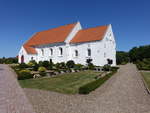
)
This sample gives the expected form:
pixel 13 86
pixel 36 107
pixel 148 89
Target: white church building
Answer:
pixel 71 42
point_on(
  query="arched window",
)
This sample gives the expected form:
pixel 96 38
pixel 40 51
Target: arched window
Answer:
pixel 60 51
pixel 42 50
pixel 89 52
pixel 76 53
pixel 51 51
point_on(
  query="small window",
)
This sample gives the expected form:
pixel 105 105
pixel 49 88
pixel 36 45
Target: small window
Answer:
pixel 51 51
pixel 60 51
pixel 104 45
pixel 76 53
pixel 110 37
pixel 42 50
pixel 89 52
pixel 104 55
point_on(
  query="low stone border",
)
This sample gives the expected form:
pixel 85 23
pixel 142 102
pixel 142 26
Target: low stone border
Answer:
pixel 145 84
pixel 144 70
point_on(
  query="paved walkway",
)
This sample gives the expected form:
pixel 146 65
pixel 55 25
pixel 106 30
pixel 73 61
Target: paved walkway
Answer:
pixel 122 93
pixel 12 97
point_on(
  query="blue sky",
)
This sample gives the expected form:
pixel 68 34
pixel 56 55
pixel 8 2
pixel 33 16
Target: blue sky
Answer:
pixel 20 19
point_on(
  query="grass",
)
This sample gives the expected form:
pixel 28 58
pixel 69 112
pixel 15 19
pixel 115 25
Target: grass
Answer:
pixel 66 83
pixel 146 76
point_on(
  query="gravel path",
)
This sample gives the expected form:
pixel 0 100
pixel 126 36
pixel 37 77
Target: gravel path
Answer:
pixel 12 97
pixel 122 93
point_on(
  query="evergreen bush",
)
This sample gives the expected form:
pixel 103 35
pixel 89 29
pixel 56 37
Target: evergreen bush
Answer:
pixel 24 74
pixel 70 64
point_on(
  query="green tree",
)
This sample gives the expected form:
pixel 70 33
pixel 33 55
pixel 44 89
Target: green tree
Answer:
pixel 122 57
pixel 139 53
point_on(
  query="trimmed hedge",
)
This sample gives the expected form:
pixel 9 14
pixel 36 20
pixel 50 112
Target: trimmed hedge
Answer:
pixel 114 69
pixel 87 88
pixel 146 68
pixel 78 66
pixel 144 64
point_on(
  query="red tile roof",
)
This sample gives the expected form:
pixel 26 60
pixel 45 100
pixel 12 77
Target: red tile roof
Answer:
pixel 59 34
pixel 91 34
pixel 55 35
pixel 29 49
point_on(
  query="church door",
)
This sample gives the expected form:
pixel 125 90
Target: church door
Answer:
pixel 22 59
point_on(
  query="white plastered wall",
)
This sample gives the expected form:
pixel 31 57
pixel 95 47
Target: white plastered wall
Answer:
pixel 106 46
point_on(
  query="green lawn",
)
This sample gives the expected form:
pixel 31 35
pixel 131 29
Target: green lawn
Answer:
pixel 146 76
pixel 66 83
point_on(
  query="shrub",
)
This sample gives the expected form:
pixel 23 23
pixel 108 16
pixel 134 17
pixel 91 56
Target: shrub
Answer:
pixel 144 64
pixel 70 64
pixel 114 69
pixel 33 64
pixel 146 61
pixel 62 65
pixel 44 64
pixel 87 88
pixel 40 63
pixel 88 61
pixel 30 64
pixel 10 60
pixel 57 65
pixel 78 66
pixel 42 71
pixel 91 66
pixel 106 67
pixel 24 74
pixel 50 64
pixel 23 65
pixel 35 67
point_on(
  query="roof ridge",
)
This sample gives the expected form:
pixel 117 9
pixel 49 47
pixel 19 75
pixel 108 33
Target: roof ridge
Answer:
pixel 57 27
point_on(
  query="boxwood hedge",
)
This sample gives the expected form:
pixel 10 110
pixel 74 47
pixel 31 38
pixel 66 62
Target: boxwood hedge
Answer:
pixel 87 88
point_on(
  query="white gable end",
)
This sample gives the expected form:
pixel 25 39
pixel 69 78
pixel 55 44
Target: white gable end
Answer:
pixel 73 32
